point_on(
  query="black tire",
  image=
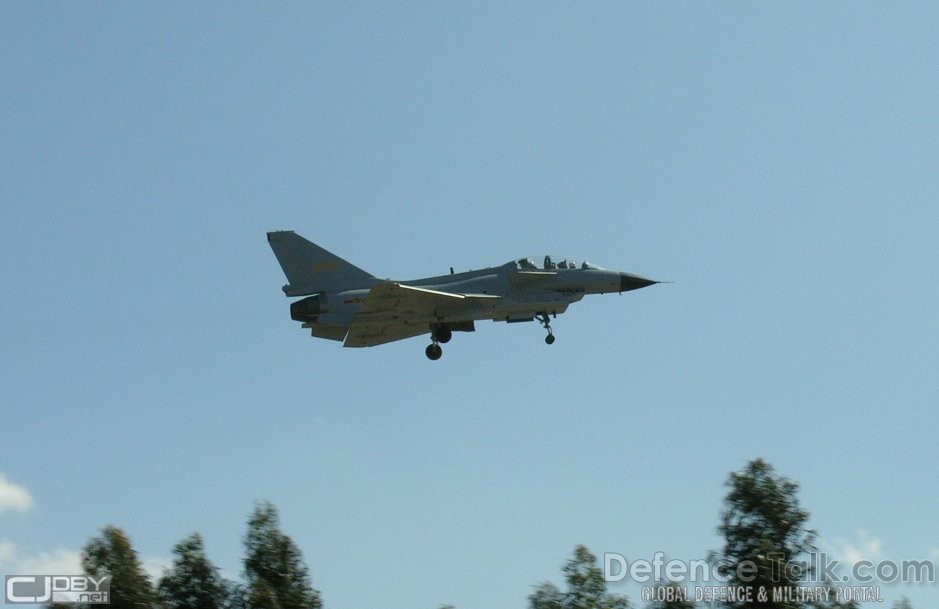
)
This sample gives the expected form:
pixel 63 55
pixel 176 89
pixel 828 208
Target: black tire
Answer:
pixel 433 352
pixel 443 334
pixel 549 339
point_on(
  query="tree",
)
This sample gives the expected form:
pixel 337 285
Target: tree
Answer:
pixel 112 553
pixel 193 582
pixel 764 534
pixel 546 596
pixel 277 577
pixel 586 588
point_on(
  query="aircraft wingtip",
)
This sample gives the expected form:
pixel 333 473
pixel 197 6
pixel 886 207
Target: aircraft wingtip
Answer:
pixel 276 233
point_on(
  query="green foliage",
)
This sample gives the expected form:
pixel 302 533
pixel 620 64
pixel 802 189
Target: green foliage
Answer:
pixel 112 553
pixel 763 524
pixel 586 588
pixel 546 596
pixel 193 582
pixel 277 576
pixel 903 603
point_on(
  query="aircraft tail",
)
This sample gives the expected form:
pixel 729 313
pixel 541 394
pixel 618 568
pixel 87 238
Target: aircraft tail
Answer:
pixel 310 269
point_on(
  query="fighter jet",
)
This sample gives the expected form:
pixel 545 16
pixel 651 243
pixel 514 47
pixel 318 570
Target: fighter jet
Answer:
pixel 344 303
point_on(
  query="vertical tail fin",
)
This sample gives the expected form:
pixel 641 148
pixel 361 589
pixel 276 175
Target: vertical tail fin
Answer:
pixel 310 269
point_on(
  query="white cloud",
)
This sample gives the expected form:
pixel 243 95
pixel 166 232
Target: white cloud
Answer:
pixel 13 497
pixel 154 566
pixel 7 552
pixel 60 561
pixel 864 547
pixel 63 561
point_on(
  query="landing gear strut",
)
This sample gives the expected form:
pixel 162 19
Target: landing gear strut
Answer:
pixel 438 334
pixel 543 318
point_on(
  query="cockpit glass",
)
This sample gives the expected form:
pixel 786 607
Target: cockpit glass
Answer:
pixel 552 263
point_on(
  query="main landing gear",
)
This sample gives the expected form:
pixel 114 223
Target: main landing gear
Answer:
pixel 438 335
pixel 543 318
pixel 443 334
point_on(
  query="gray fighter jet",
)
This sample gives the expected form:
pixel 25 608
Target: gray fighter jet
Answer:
pixel 345 303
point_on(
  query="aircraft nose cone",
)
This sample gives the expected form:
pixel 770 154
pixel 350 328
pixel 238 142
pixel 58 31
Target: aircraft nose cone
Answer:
pixel 629 282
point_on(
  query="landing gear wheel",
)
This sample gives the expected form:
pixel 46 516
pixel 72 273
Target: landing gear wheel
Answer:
pixel 433 351
pixel 443 334
pixel 543 318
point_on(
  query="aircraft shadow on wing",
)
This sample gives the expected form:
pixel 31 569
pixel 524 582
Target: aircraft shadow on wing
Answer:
pixel 344 303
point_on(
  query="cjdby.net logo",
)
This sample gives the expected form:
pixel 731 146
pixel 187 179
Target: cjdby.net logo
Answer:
pixel 61 589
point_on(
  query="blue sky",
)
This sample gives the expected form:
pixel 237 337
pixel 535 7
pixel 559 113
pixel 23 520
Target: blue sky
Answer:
pixel 778 162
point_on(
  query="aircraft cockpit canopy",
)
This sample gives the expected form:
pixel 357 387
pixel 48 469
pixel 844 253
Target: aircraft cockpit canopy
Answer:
pixel 552 263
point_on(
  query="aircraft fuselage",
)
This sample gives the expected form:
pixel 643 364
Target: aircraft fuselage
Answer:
pixel 551 294
pixel 342 302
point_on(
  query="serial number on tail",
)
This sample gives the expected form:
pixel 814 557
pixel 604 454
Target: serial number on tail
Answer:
pixel 326 267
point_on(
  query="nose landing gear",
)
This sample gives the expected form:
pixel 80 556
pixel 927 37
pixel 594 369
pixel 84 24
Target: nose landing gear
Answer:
pixel 543 318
